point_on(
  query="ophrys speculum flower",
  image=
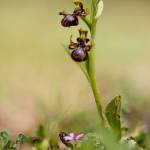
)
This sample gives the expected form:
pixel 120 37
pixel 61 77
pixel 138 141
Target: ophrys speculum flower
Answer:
pixel 80 48
pixel 71 19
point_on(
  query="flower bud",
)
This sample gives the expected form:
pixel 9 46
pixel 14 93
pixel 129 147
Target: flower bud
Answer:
pixel 100 8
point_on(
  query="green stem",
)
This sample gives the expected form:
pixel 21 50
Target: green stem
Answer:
pixel 91 68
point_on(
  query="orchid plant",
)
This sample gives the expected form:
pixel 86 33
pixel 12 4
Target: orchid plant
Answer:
pixel 82 52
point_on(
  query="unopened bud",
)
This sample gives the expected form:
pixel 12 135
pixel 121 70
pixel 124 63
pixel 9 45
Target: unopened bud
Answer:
pixel 100 8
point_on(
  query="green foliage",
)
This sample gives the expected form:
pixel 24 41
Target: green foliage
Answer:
pixel 7 144
pixel 92 142
pixel 112 113
pixel 47 138
pixel 3 139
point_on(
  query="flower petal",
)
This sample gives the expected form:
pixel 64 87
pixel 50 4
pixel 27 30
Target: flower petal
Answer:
pixel 79 137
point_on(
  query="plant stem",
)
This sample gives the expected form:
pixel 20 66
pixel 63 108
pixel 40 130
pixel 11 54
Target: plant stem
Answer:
pixel 91 68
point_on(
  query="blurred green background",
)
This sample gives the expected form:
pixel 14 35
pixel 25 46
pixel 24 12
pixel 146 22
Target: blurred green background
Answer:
pixel 38 79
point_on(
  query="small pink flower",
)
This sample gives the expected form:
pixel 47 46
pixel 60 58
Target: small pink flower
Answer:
pixel 73 137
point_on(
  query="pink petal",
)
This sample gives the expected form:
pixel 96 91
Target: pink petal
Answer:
pixel 79 137
pixel 68 138
pixel 72 135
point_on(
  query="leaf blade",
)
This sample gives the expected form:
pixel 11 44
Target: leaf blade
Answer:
pixel 112 113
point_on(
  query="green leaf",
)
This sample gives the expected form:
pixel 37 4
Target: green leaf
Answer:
pixel 42 131
pixel 112 113
pixel 11 145
pixel 21 138
pixel 44 145
pixel 4 135
pixel 91 141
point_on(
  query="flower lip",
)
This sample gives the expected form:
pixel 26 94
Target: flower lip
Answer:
pixel 79 54
pixel 69 20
